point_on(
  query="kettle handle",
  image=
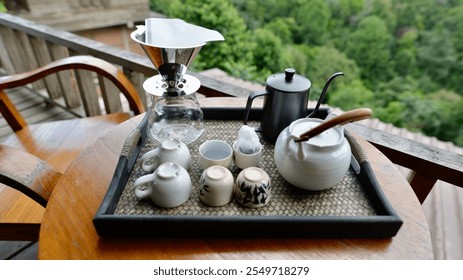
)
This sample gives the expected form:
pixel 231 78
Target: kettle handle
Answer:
pixel 249 103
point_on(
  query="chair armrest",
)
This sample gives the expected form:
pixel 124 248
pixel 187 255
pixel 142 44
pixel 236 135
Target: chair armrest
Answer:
pixel 27 174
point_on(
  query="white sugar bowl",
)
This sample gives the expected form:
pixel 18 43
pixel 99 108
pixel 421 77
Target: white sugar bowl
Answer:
pixel 316 164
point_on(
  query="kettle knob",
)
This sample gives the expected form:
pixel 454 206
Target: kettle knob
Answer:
pixel 289 74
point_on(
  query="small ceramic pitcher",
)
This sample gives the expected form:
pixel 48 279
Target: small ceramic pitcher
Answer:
pixel 168 186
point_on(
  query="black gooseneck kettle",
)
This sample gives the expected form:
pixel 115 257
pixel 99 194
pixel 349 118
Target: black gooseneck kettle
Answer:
pixel 286 97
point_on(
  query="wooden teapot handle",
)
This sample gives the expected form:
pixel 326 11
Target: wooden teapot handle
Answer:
pixel 347 117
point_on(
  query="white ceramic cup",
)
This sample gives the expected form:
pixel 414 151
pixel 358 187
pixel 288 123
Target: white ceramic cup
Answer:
pixel 216 186
pixel 168 186
pixel 170 150
pixel 253 188
pixel 246 160
pixel 215 152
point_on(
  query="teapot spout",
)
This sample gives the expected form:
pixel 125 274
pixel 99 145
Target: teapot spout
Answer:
pixel 301 153
pixel 325 89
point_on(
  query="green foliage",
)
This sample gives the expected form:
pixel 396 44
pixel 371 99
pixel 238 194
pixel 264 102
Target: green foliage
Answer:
pixel 350 95
pixel 296 57
pixel 449 106
pixel 220 16
pixel 285 28
pixel 313 17
pixel 325 61
pixel 402 58
pixel 405 56
pixel 2 7
pixel 267 52
pixel 369 46
pixel 436 54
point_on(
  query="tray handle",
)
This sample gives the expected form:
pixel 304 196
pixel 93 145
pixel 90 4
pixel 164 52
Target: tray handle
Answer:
pixel 130 143
pixel 133 143
pixel 357 151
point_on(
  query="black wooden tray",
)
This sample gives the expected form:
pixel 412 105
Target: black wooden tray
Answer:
pixel 356 209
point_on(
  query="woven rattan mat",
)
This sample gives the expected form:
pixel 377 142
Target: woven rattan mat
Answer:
pixel 347 198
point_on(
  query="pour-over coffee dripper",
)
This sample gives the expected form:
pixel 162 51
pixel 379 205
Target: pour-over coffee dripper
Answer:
pixel 172 45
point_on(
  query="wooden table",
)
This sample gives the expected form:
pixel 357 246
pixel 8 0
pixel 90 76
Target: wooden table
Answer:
pixel 67 230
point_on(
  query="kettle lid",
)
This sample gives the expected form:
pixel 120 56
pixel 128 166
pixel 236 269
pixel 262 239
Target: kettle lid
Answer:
pixel 288 81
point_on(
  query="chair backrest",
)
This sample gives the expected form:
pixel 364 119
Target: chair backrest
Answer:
pixel 83 94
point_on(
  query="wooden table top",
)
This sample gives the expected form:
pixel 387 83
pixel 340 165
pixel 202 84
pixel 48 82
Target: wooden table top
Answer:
pixel 67 231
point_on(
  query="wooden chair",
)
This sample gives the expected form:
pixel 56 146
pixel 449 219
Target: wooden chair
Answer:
pixel 34 156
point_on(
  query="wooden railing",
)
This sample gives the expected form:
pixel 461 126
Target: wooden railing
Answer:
pixel 24 45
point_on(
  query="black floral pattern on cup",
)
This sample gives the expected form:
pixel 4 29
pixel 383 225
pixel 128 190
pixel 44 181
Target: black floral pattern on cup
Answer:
pixel 252 195
pixel 205 188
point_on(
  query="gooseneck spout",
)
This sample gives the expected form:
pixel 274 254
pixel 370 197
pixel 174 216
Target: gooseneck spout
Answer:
pixel 322 96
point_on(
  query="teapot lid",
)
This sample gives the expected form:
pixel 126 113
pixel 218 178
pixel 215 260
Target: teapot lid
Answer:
pixel 288 81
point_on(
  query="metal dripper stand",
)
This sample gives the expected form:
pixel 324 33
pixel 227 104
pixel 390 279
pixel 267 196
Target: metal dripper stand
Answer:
pixel 172 45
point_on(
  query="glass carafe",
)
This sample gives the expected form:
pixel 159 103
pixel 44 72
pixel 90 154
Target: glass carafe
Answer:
pixel 175 116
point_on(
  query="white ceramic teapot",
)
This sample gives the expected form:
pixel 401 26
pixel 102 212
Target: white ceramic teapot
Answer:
pixel 319 162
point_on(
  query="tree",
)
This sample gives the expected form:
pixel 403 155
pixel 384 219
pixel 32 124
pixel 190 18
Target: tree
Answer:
pixel 405 56
pixel 312 16
pixel 453 23
pixel 2 7
pixel 369 46
pixel 382 9
pixel 344 17
pixel 223 17
pixel 295 56
pixel 267 52
pixel 257 13
pixel 283 27
pixel 450 114
pixel 325 61
pixel 352 94
pixel 436 54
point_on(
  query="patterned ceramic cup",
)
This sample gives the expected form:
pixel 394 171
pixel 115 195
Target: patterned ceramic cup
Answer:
pixel 216 186
pixel 253 187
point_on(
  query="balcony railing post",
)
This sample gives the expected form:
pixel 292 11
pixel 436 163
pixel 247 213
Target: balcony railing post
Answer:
pixel 421 184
